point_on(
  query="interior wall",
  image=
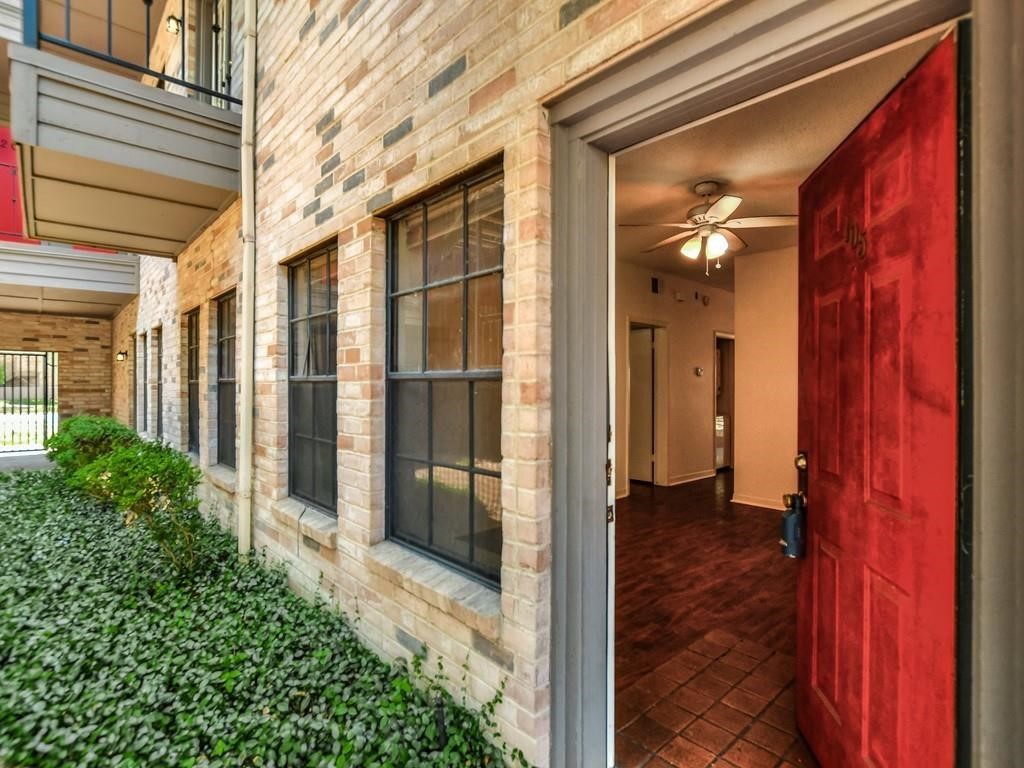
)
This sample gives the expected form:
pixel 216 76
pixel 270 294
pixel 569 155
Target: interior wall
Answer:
pixel 766 377
pixel 687 399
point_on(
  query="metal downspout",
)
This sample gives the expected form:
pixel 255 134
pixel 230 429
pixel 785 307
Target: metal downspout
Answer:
pixel 248 362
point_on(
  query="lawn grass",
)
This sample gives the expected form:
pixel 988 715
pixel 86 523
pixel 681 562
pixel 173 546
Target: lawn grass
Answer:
pixel 109 658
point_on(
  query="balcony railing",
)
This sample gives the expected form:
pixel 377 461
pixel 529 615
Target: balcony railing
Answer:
pixel 36 34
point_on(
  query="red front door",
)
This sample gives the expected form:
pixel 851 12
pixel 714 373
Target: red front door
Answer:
pixel 878 421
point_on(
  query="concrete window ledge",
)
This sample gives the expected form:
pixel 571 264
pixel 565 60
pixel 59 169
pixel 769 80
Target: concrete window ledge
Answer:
pixel 222 477
pixel 307 521
pixel 465 600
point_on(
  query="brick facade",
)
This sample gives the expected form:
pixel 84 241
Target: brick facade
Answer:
pixel 363 105
pixel 84 356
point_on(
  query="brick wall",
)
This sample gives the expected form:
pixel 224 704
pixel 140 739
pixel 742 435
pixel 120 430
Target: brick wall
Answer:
pixel 122 334
pixel 207 270
pixel 363 104
pixel 84 356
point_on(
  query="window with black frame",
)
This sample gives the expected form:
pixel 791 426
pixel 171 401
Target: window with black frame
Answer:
pixel 145 382
pixel 444 376
pixel 226 380
pixel 192 378
pixel 158 340
pixel 312 379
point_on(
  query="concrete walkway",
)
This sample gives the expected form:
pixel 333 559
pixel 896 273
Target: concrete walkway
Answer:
pixel 26 460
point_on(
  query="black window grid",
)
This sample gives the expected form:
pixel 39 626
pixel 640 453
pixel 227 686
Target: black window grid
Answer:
pixel 158 340
pixel 488 576
pixel 226 370
pixel 304 385
pixel 192 378
pixel 145 382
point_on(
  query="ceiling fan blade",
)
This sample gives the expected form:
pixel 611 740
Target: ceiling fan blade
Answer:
pixel 680 224
pixel 723 207
pixel 735 241
pixel 672 239
pixel 761 221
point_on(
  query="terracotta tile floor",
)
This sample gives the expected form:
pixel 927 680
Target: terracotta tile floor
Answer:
pixel 705 632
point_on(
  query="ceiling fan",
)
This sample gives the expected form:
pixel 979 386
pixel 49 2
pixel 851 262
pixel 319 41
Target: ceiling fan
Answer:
pixel 708 229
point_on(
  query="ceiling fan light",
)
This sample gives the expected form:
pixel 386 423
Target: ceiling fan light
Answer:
pixel 691 248
pixel 717 245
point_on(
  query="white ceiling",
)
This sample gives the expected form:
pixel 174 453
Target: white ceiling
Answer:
pixel 761 152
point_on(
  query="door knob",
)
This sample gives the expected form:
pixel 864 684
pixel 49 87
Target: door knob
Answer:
pixel 800 462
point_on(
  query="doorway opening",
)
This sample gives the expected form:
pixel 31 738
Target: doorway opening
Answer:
pixel 705 631
pixel 725 399
pixel 28 400
pixel 645 395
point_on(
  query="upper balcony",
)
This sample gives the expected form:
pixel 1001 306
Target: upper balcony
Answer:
pixel 114 151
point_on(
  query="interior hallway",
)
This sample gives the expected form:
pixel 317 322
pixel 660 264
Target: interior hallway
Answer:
pixel 705 631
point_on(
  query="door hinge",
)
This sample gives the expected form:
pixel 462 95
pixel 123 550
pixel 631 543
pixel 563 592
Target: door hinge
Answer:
pixel 609 433
pixel 611 513
pixel 608 471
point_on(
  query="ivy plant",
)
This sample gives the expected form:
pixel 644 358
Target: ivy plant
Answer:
pixel 108 658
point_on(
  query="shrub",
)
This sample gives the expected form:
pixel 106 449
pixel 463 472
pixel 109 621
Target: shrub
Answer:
pixel 106 662
pixel 83 439
pixel 155 485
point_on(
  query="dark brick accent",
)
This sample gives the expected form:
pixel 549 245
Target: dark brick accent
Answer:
pixel 325 214
pixel 358 11
pixel 498 655
pixel 269 161
pixel 311 543
pixel 326 31
pixel 398 132
pixel 446 76
pixel 415 646
pixel 324 121
pixel 311 208
pixel 380 200
pixel 307 24
pixel 325 183
pixel 354 180
pixel 333 162
pixel 572 10
pixel 331 132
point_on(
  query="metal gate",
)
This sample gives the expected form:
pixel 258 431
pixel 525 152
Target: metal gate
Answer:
pixel 28 400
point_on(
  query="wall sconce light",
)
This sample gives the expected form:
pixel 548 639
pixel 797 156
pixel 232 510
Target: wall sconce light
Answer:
pixel 121 356
pixel 174 25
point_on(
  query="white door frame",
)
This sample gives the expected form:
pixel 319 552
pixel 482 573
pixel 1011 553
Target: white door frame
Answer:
pixel 698 71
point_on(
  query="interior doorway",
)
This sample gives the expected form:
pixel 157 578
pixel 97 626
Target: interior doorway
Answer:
pixel 706 627
pixel 642 366
pixel 725 399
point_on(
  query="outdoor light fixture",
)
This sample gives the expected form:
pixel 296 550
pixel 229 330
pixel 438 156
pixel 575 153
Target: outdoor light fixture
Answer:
pixel 174 25
pixel 121 357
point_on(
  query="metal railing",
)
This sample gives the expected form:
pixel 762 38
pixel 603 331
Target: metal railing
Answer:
pixel 34 35
pixel 28 400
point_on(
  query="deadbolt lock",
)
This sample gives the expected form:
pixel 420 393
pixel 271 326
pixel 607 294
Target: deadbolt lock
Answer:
pixel 800 462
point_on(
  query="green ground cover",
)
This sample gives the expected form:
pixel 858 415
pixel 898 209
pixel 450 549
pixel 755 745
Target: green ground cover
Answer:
pixel 112 655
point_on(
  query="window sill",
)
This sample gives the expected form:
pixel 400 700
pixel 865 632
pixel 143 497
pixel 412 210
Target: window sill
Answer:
pixel 307 521
pixel 222 477
pixel 468 601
